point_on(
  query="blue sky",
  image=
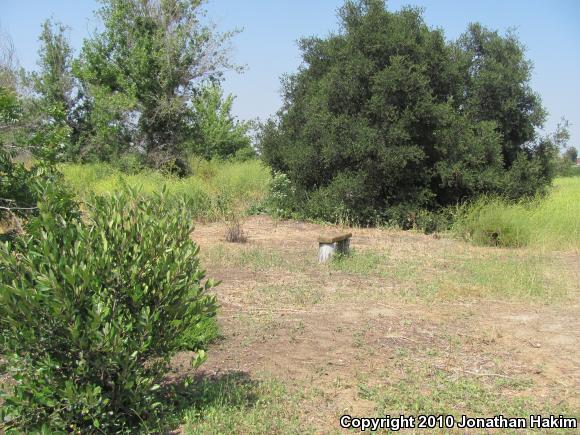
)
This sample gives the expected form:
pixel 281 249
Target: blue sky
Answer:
pixel 267 44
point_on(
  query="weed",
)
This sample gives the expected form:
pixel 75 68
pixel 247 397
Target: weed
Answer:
pixel 234 403
pixel 235 233
pixel 215 188
pixel 358 262
pixel 548 222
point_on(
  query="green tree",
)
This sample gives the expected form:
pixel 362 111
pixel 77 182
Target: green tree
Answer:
pixel 54 81
pixel 8 62
pixel 217 132
pixel 571 154
pixel 496 87
pixel 144 67
pixel 385 117
pixel 57 107
pixel 46 120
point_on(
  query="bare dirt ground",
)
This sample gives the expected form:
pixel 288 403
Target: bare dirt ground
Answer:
pixel 335 332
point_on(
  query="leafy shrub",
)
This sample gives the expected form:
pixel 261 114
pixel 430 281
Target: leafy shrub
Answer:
pixel 130 163
pixel 282 196
pixel 92 308
pixel 199 336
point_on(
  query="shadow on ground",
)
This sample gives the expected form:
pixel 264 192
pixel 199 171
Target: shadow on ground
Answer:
pixel 202 392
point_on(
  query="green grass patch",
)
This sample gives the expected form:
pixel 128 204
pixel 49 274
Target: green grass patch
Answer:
pixel 364 262
pixel 218 189
pixel 422 391
pixel 234 404
pixel 525 274
pixel 549 222
pixel 502 274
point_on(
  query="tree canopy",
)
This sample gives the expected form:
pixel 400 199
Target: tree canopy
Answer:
pixel 387 116
pixel 571 154
pixel 143 68
pixel 217 132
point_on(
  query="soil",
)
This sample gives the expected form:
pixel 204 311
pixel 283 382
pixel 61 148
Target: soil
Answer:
pixel 360 333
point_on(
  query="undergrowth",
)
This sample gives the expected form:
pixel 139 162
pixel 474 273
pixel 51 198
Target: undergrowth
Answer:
pixel 215 189
pixel 545 222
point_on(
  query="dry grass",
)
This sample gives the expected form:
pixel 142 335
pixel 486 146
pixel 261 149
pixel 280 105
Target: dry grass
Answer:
pixel 404 265
pixel 235 232
pixel 406 316
pixel 547 223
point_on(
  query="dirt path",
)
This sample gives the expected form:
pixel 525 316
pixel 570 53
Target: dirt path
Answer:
pixel 337 332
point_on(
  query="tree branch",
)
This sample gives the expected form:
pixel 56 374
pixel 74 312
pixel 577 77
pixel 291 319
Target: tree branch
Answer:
pixel 17 208
pixel 14 207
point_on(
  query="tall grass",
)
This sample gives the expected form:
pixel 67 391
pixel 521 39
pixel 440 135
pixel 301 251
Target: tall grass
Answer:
pixel 218 189
pixel 549 222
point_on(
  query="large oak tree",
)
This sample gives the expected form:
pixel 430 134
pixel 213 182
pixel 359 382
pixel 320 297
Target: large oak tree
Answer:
pixel 386 116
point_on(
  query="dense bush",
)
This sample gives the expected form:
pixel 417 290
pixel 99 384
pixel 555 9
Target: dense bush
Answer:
pixel 93 307
pixel 387 116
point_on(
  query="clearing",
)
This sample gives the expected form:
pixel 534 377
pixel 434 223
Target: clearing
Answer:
pixel 408 324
